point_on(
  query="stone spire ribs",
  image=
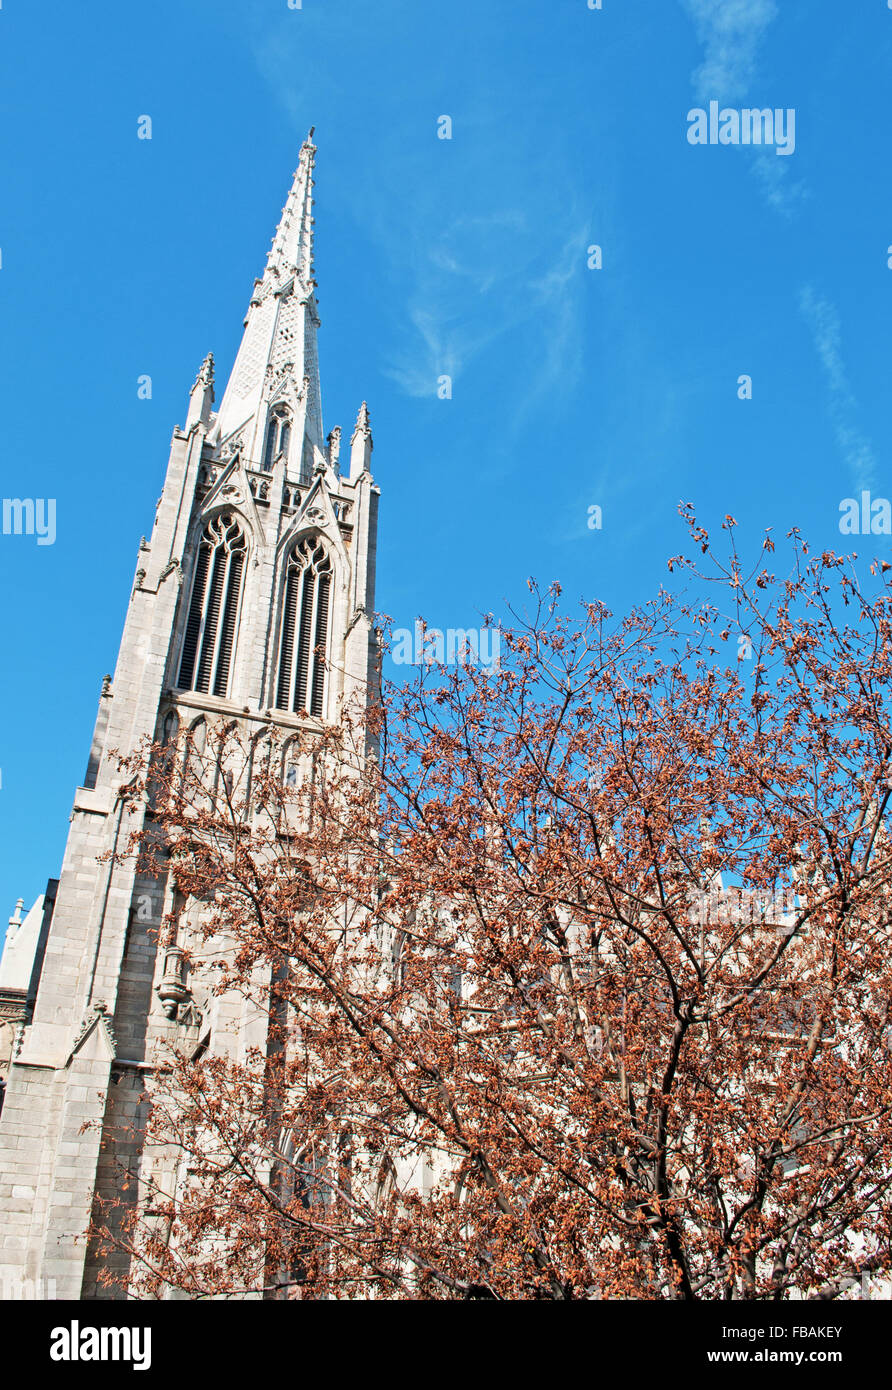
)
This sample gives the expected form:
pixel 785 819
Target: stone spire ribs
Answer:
pixel 292 248
pixel 277 360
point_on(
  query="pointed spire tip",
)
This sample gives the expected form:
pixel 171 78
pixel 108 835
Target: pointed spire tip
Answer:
pixel 292 245
pixel 205 372
pixel 363 423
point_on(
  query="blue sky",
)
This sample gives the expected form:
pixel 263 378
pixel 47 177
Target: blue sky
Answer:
pixel 572 387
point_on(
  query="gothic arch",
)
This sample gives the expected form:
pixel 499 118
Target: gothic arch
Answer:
pixel 316 517
pixel 170 727
pixel 277 439
pixel 197 733
pixel 303 646
pixel 195 747
pixel 259 759
pixel 387 1182
pixel 227 745
pixel 215 603
pixel 164 758
pixel 293 762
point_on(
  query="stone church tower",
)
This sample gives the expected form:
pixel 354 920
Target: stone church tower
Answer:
pixel 261 558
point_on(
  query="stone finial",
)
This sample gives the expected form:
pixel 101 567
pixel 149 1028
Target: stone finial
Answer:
pixel 363 424
pixel 361 445
pixel 201 397
pixel 205 372
pixel 99 1016
pixel 16 918
pixel 334 447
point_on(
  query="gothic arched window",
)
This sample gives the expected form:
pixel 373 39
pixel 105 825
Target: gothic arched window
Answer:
pixel 302 646
pixel 228 750
pixel 291 763
pixel 387 1183
pixel 213 610
pixel 278 433
pixel 193 755
pixel 258 770
pixel 162 762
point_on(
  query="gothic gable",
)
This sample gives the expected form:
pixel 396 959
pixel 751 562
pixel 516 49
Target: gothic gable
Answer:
pixel 230 490
pixel 316 514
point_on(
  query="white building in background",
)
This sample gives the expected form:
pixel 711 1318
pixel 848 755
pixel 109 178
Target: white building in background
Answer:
pixel 20 969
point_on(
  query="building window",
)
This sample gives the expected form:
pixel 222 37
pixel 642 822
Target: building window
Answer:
pixel 193 756
pixel 213 610
pixel 303 643
pixel 228 748
pixel 278 433
pixel 258 772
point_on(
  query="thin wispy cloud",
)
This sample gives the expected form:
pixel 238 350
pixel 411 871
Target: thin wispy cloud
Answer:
pixel 469 261
pixel 731 33
pixel 482 279
pixel 823 320
pixel 556 298
pixel 778 188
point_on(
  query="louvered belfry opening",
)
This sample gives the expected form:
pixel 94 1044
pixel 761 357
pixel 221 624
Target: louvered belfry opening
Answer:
pixel 278 433
pixel 304 641
pixel 213 610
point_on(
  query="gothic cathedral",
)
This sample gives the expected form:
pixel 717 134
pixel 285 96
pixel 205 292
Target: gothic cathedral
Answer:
pixel 253 601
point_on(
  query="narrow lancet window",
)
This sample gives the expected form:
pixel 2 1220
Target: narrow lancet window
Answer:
pixel 278 433
pixel 213 611
pixel 304 635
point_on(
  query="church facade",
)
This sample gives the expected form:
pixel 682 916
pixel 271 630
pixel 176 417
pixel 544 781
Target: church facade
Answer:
pixel 252 604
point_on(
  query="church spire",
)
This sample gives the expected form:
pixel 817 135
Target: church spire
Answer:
pixel 277 362
pixel 292 248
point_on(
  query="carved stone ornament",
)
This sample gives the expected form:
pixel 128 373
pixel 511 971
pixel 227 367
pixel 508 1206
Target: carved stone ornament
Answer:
pixel 98 1016
pixel 233 444
pixel 177 1000
pixel 189 1015
pixel 173 990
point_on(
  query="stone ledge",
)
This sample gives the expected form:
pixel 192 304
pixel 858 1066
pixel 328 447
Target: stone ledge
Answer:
pixel 97 801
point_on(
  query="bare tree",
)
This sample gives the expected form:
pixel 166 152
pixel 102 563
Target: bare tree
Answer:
pixel 577 986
